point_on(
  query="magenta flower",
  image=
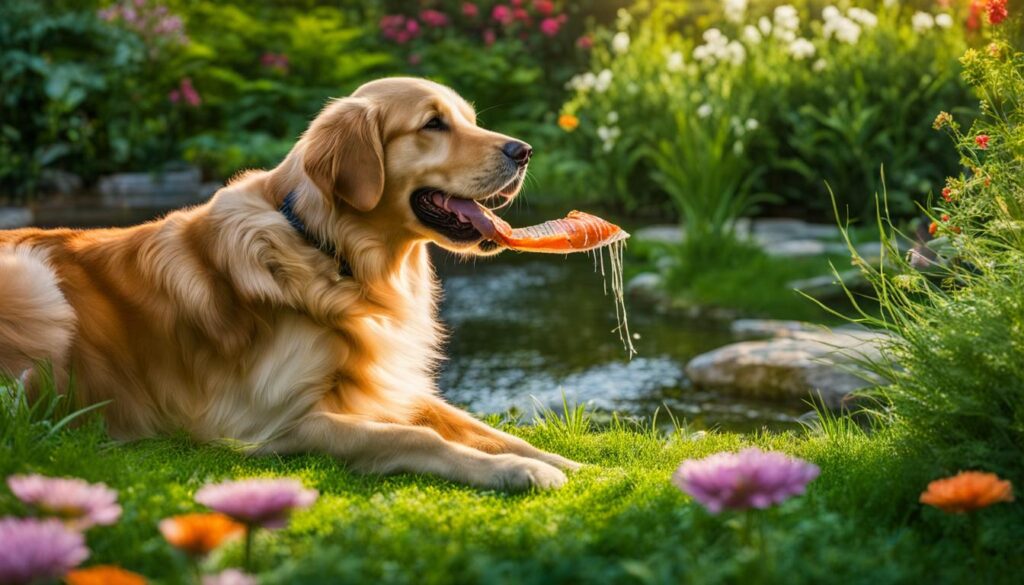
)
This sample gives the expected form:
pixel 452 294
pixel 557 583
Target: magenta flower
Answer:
pixel 33 550
pixel 545 7
pixel 80 504
pixel 549 26
pixel 229 577
pixel 470 10
pixel 489 37
pixel 434 18
pixel 502 14
pixel 257 502
pixel 585 42
pixel 751 478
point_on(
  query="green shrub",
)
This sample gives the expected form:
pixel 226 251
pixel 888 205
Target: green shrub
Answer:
pixel 957 378
pixel 729 105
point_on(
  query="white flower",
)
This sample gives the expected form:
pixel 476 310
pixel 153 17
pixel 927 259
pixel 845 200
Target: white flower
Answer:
pixel 713 36
pixel 786 19
pixel 583 82
pixel 612 117
pixel 603 81
pixel 735 53
pixel 704 111
pixel 620 42
pixel 751 35
pixel 624 18
pixel 830 13
pixel 735 10
pixel 752 124
pixel 922 21
pixel 862 16
pixel 674 62
pixel 765 25
pixel 819 65
pixel 841 28
pixel 943 20
pixel 608 135
pixel 801 49
pixel 889 3
pixel 737 148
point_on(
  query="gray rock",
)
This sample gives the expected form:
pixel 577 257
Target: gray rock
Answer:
pixel 794 248
pixel 792 368
pixel 169 188
pixel 769 328
pixel 646 285
pixel 61 182
pixel 827 285
pixel 662 234
pixel 778 229
pixel 15 217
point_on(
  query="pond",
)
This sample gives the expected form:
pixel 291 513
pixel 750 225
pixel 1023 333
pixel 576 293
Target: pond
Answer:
pixel 527 329
pixel 530 329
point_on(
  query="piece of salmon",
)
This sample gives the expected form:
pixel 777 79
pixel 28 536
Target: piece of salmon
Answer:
pixel 576 232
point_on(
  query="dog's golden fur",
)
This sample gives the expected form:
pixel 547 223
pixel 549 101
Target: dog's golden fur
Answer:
pixel 225 322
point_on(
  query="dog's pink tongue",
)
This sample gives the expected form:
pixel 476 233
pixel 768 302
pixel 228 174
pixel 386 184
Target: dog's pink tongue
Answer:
pixel 482 219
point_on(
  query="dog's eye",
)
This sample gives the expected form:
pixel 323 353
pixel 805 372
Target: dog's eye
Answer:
pixel 435 123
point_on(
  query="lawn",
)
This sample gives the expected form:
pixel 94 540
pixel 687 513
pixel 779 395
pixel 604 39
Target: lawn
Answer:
pixel 618 520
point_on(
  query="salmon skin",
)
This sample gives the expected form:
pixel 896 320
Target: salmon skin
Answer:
pixel 576 232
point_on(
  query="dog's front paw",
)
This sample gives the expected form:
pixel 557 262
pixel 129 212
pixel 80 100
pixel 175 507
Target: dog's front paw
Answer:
pixel 559 462
pixel 520 473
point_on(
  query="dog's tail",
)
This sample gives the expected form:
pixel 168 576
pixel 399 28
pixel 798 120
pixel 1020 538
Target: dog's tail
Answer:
pixel 36 322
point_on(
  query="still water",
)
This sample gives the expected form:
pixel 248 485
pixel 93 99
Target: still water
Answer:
pixel 528 328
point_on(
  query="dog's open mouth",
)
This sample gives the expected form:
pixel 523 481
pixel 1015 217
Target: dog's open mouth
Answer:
pixel 459 219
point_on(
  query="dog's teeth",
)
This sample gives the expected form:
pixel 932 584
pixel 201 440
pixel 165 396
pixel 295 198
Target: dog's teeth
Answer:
pixel 438 200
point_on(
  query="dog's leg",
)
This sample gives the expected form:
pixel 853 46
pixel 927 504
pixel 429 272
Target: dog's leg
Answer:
pixel 457 425
pixel 377 447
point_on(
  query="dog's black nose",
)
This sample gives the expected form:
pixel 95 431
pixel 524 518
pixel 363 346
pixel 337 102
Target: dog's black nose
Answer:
pixel 519 152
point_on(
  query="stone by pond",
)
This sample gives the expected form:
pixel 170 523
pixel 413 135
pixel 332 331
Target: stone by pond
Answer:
pixel 799 362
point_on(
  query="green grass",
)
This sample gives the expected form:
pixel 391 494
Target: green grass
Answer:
pixel 619 520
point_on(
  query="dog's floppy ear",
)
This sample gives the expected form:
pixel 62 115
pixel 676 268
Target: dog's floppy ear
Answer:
pixel 344 153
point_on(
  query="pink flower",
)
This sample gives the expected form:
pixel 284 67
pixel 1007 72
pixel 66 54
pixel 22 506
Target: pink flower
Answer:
pixel 34 550
pixel 470 10
pixel 79 503
pixel 982 141
pixel 276 61
pixel 259 502
pixel 189 93
pixel 751 478
pixel 434 18
pixel 517 3
pixel 174 96
pixel 585 42
pixel 229 577
pixel 490 37
pixel 520 14
pixel 502 14
pixel 415 59
pixel 549 26
pixel 545 7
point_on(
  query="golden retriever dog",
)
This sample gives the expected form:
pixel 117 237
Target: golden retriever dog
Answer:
pixel 296 311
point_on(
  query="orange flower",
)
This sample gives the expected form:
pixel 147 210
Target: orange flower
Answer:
pixel 198 534
pixel 967 491
pixel 104 575
pixel 568 122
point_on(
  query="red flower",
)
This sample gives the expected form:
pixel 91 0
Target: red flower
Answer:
pixel 974 14
pixel 434 18
pixel 521 14
pixel 470 10
pixel 945 217
pixel 932 228
pixel 947 194
pixel 502 14
pixel 545 7
pixel 997 11
pixel 489 37
pixel 549 26
pixel 982 141
pixel 585 42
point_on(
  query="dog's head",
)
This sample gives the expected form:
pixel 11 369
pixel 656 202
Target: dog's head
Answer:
pixel 398 149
